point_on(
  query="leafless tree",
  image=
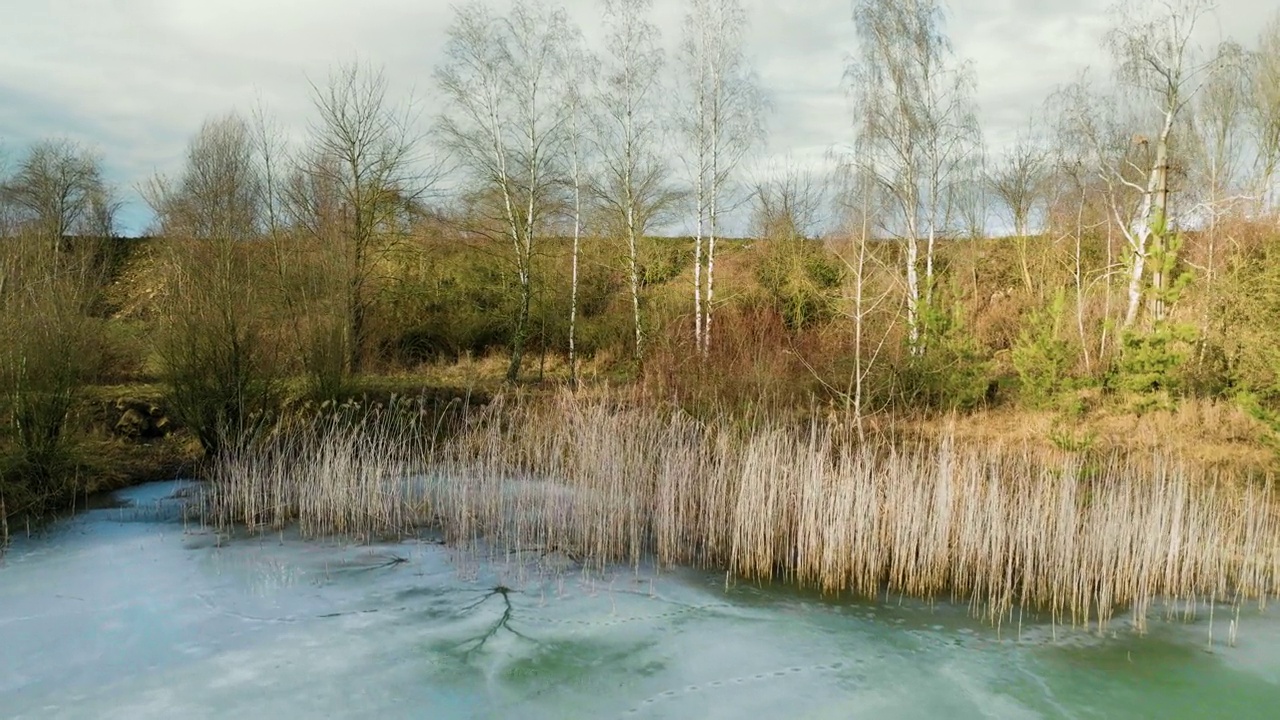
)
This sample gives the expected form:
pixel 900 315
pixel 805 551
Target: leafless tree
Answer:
pixel 8 210
pixel 356 184
pixel 49 282
pixel 311 264
pixel 1019 180
pixel 1264 108
pixel 971 198
pixel 721 120
pixel 864 198
pixel 52 345
pixel 58 190
pixel 1101 157
pixel 787 201
pixel 218 362
pixel 580 96
pixel 505 82
pixel 271 157
pixel 272 163
pixel 633 188
pixel 1217 146
pixel 218 196
pixel 1152 44
pixel 916 127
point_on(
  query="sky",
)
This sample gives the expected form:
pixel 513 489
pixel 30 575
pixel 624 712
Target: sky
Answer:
pixel 134 79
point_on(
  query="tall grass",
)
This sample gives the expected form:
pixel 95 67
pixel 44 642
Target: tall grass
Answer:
pixel 608 481
pixel 345 471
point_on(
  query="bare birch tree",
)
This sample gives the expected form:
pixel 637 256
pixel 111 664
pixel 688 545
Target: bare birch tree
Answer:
pixel 579 100
pixel 1264 110
pixel 916 127
pixel 864 205
pixel 505 83
pixel 1101 157
pixel 1154 53
pixel 1218 130
pixel 632 187
pixel 721 121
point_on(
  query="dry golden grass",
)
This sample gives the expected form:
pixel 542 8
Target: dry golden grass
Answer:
pixel 1210 435
pixel 610 481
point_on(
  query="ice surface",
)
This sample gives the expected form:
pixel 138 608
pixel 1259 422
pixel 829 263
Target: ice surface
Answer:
pixel 128 612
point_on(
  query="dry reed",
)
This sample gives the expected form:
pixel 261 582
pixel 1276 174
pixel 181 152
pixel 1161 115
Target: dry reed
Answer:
pixel 609 482
pixel 330 474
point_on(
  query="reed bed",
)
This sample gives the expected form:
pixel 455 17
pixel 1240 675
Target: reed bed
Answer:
pixel 329 475
pixel 609 482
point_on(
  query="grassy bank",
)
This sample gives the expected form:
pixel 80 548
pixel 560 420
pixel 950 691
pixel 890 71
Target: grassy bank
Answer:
pixel 115 436
pixel 1078 535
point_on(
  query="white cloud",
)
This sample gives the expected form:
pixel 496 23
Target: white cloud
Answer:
pixel 135 78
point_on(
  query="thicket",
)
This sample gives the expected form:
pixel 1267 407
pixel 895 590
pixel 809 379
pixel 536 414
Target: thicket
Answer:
pixel 219 361
pixel 1040 355
pixel 52 346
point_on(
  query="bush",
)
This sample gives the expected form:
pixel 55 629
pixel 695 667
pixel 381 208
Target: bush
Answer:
pixel 1040 357
pixel 1150 362
pixel 216 355
pixel 950 371
pixel 801 280
pixel 52 347
pixel 663 259
pixel 1246 322
pixel 1208 373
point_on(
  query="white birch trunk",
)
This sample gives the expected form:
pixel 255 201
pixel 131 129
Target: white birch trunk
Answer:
pixel 1110 294
pixel 697 260
pixel 1079 278
pixel 1137 266
pixel 633 248
pixel 913 294
pixel 715 130
pixel 859 376
pixel 633 245
pixel 1140 237
pixel 711 277
pixel 700 181
pixel 573 292
pixel 577 239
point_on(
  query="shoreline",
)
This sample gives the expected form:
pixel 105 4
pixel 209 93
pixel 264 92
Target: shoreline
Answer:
pixel 1078 534
pixel 1218 438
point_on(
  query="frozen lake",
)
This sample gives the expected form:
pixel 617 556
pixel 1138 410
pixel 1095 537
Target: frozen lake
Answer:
pixel 127 612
